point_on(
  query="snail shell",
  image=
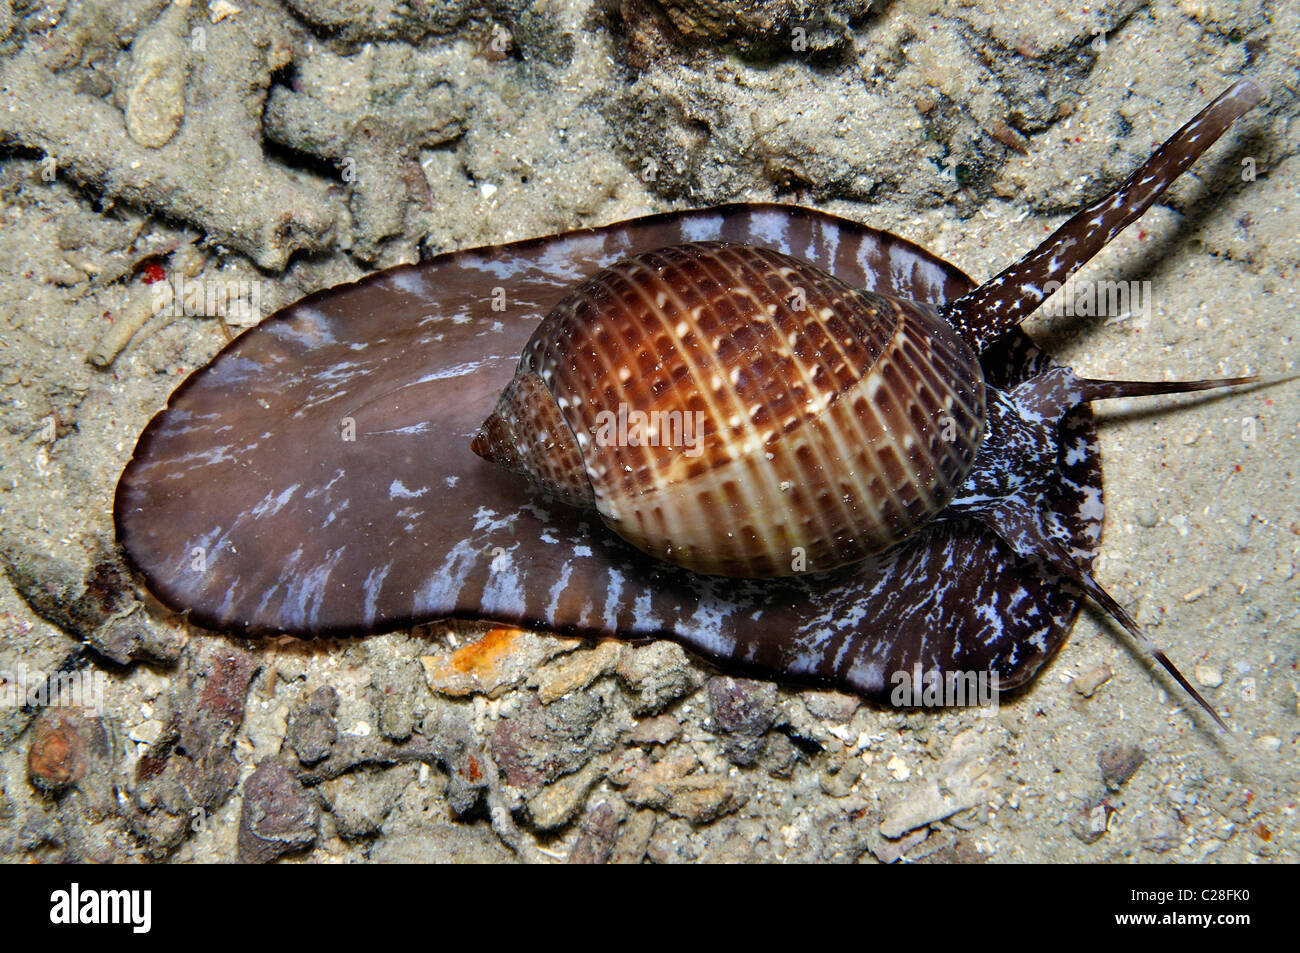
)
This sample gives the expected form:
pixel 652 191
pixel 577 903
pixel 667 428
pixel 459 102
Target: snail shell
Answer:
pixel 736 411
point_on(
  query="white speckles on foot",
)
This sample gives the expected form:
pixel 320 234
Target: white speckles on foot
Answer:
pixel 396 491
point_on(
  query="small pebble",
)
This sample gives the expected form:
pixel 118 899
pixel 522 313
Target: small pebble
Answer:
pixel 1248 690
pixel 1009 720
pixel 1146 515
pixel 596 836
pixel 1270 743
pixel 657 731
pixel 311 730
pixel 1208 676
pixel 147 732
pixel 556 803
pixel 218 10
pixel 1090 822
pixel 838 781
pixel 155 83
pixel 898 768
pixel 1091 680
pixel 1157 832
pixel 56 757
pixel 278 815
pixel 1118 763
pixel 835 707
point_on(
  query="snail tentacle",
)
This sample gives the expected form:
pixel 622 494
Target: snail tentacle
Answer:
pixel 1002 302
pixel 1022 527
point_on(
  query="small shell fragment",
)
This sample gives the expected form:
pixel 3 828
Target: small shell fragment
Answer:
pixel 1091 680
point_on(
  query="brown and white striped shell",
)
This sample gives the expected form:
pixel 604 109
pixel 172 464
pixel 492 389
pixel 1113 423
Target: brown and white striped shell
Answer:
pixel 736 411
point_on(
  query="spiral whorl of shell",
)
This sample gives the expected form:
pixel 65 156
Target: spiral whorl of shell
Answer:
pixel 737 411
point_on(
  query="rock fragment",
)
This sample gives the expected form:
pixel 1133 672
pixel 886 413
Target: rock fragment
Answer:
pixel 965 779
pixel 192 770
pixel 1088 683
pixel 757 27
pixel 742 710
pixel 545 742
pixel 1208 676
pixel 659 730
pixel 836 707
pixel 155 96
pixel 493 662
pixel 657 674
pixel 360 801
pixel 634 838
pixel 65 743
pixel 312 729
pixel 697 797
pixel 278 815
pixel 399 695
pixel 1091 821
pixel 1157 832
pixel 574 672
pixel 1118 763
pixel 838 778
pixel 556 803
pixel 596 836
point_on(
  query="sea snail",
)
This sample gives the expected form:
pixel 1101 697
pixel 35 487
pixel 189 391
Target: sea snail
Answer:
pixel 872 470
pixel 787 422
